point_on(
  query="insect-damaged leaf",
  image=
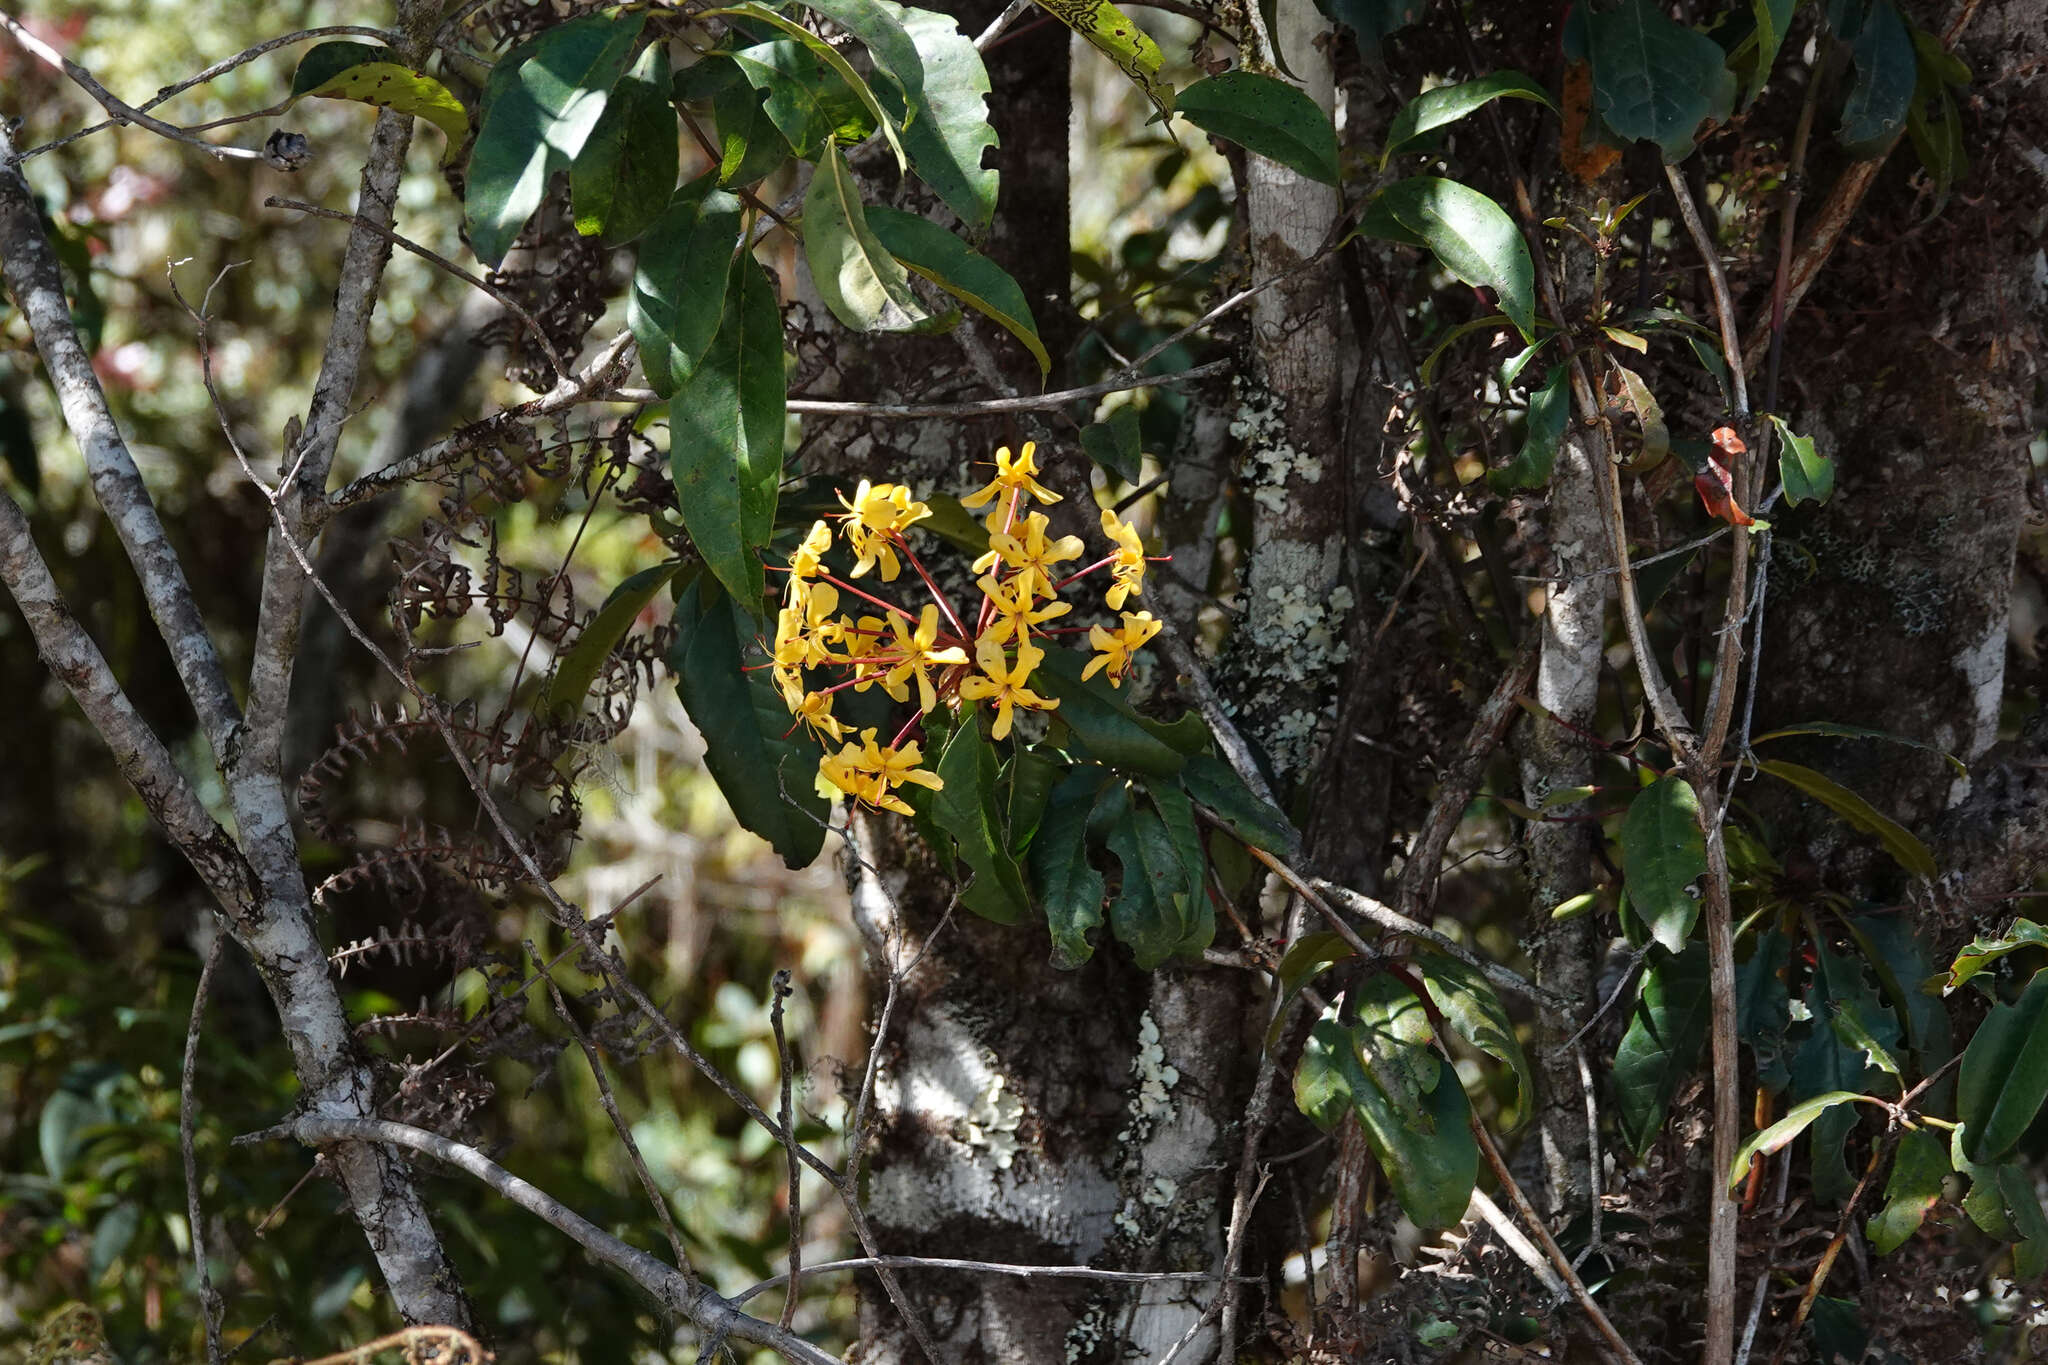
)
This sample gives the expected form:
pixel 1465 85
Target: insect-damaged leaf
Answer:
pixel 1116 36
pixel 373 75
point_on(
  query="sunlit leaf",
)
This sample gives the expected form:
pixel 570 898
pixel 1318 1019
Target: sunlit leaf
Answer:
pixel 1470 234
pixel 864 286
pixel 1445 105
pixel 1663 854
pixel 961 271
pixel 373 75
pixel 680 282
pixel 623 179
pixel 1266 115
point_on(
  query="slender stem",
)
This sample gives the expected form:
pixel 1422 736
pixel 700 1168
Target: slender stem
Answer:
pixel 945 604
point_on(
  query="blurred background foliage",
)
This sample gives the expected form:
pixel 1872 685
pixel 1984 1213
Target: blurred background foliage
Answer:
pixel 103 929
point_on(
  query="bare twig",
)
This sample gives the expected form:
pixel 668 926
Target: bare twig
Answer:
pixel 512 305
pixel 123 113
pixel 218 69
pixel 1010 1270
pixel 779 991
pixel 448 1346
pixel 980 407
pixel 711 1311
pixel 195 1215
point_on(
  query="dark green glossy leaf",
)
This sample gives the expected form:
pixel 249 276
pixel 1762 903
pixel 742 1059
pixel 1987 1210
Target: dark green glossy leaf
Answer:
pixel 1663 853
pixel 1887 67
pixel 1906 850
pixel 1028 781
pixel 1471 236
pixel 1655 79
pixel 1445 105
pixel 725 434
pixel 831 57
pixel 2004 1078
pixel 1773 18
pixel 1266 115
pixel 2023 1207
pixel 1393 1034
pixel 1432 1175
pixel 1919 1165
pixel 806 102
pixel 1306 958
pixel 1115 444
pixel 766 769
pixel 1824 1062
pixel 966 807
pixel 1145 916
pixel 627 171
pixel 1550 407
pixel 1469 1005
pixel 1103 721
pixel 750 146
pixel 1068 885
pixel 961 271
pixel 1838 1330
pixel 1212 782
pixel 374 75
pixel 578 666
pixel 540 105
pixel 680 281
pixel 1373 20
pixel 1666 1030
pixel 863 285
pixel 1763 1007
pixel 1197 912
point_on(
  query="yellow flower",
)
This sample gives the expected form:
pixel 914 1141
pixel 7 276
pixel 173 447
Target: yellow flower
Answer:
pixel 861 639
pixel 1030 555
pixel 815 710
pixel 917 656
pixel 879 514
pixel 1015 610
pixel 804 631
pixel 868 772
pixel 807 560
pixel 1117 646
pixel 1004 682
pixel 1127 566
pixel 1013 478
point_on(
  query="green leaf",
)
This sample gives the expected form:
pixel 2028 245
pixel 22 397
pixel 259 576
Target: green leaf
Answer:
pixel 623 180
pixel 1919 1165
pixel 1393 1034
pixel 1795 1122
pixel 1427 371
pixel 1145 916
pixel 1103 721
pixel 1445 105
pixel 111 1238
pixel 1212 782
pixel 2005 1073
pixel 1855 1034
pixel 1656 79
pixel 1663 853
pixel 1471 236
pixel 1028 781
pixel 1773 18
pixel 1550 407
pixel 961 271
pixel 766 768
pixel 374 75
pixel 797 94
pixel 1116 36
pixel 966 808
pixel 1887 67
pixel 946 131
pixel 1839 731
pixel 2023 1207
pixel 66 1118
pixel 1115 444
pixel 1266 115
pixel 1763 1006
pixel 1469 1005
pixel 1197 912
pixel 1306 958
pixel 1069 887
pixel 1808 476
pixel 680 282
pixel 540 105
pixel 1650 417
pixel 1981 953
pixel 578 666
pixel 1907 851
pixel 1373 20
pixel 1432 1175
pixel 750 144
pixel 882 34
pixel 861 283
pixel 832 58
pixel 1984 1202
pixel 725 434
pixel 1666 1030
pixel 1824 1062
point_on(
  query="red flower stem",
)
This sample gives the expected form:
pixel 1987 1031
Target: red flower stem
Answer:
pixel 870 597
pixel 937 596
pixel 904 733
pixel 1083 573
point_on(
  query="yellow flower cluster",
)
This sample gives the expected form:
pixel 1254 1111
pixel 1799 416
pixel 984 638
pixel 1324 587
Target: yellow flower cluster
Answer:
pixel 939 654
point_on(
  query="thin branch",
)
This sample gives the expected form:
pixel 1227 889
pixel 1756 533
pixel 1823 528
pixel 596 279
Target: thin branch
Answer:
pixel 195 1216
pixel 218 69
pixel 779 991
pixel 619 1125
pixel 1004 1268
pixel 30 267
pixel 443 1345
pixel 512 305
pixel 123 113
pixel 981 407
pixel 712 1312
